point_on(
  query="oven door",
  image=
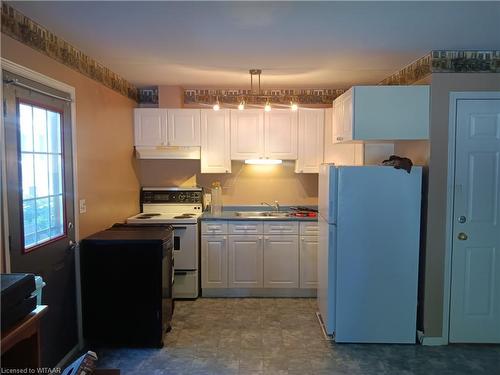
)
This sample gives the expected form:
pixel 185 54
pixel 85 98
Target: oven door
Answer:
pixel 185 247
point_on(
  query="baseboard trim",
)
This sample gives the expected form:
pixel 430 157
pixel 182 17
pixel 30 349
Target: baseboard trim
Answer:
pixel 259 292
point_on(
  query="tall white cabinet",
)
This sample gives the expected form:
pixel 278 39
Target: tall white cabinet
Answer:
pixel 247 134
pixel 215 141
pixel 310 140
pixel 280 134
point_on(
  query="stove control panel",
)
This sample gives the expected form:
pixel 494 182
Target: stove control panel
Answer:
pixel 175 196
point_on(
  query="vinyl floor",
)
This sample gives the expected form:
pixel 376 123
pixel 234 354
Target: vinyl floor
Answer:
pixel 282 336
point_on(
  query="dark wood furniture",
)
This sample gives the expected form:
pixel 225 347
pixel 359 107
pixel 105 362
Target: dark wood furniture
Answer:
pixel 20 345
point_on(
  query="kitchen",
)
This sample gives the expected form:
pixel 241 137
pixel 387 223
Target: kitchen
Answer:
pixel 110 173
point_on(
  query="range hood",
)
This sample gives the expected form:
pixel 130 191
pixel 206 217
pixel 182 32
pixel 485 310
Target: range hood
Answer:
pixel 167 152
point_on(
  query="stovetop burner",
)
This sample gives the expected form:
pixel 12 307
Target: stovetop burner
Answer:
pixel 147 216
pixel 184 216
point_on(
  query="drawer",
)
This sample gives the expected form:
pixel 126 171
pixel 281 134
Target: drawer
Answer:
pixel 309 228
pixel 213 227
pixel 245 227
pixel 281 227
pixel 185 284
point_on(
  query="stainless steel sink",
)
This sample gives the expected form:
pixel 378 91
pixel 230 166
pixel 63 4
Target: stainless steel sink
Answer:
pixel 261 214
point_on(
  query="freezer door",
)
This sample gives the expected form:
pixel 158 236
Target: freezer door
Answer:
pixel 327 274
pixel 327 192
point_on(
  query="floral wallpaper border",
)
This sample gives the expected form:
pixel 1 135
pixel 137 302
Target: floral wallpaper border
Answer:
pixel 446 61
pixel 23 29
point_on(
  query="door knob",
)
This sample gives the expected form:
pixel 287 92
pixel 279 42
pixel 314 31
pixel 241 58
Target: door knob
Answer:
pixel 72 245
pixel 462 236
pixel 462 219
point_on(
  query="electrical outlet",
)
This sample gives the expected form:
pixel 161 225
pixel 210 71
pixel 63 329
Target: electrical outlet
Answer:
pixel 83 206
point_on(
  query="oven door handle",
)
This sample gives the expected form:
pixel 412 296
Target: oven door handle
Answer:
pixel 179 227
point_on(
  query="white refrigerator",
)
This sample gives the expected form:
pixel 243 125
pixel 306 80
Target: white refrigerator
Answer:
pixel 369 225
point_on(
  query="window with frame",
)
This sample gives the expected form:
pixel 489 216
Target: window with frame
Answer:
pixel 41 170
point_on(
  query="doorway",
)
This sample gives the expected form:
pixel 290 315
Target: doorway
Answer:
pixel 40 195
pixel 474 310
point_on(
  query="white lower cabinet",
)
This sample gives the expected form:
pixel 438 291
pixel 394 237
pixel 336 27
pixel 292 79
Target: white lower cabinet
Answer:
pixel 214 261
pixel 245 265
pixel 308 262
pixel 281 261
pixel 257 258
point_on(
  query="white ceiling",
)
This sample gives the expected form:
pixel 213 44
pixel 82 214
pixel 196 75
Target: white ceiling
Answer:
pixel 297 44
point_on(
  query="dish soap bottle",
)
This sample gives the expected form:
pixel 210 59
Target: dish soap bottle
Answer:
pixel 216 205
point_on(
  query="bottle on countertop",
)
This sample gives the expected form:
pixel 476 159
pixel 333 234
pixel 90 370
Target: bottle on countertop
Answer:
pixel 216 204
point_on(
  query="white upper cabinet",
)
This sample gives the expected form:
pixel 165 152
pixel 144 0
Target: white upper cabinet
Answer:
pixel 247 134
pixel 215 141
pixel 183 127
pixel 340 153
pixel 150 126
pixel 370 113
pixel 310 147
pixel 280 137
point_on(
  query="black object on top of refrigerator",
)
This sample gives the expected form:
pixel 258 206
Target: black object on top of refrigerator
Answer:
pixel 126 275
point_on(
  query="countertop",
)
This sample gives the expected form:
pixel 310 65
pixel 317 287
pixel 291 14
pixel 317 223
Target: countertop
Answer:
pixel 229 213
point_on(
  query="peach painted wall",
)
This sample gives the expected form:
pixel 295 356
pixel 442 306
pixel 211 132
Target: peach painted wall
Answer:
pixel 247 184
pixel 106 173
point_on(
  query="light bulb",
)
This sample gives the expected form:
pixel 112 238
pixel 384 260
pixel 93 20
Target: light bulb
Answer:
pixel 216 106
pixel 294 106
pixel 267 107
pixel 241 106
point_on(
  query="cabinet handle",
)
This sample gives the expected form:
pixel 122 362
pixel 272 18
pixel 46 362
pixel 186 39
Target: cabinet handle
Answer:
pixel 302 239
pixel 224 238
pixel 267 157
pixel 227 171
pixel 266 238
pixel 340 138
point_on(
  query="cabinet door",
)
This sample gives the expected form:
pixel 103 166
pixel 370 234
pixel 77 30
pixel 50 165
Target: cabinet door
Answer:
pixel 311 132
pixel 247 134
pixel 214 261
pixel 309 262
pixel 245 261
pixel 342 117
pixel 215 145
pixel 281 261
pixel 280 136
pixel 347 116
pixel 184 127
pixel 150 127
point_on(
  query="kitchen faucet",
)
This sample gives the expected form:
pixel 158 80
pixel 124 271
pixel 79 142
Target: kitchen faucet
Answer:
pixel 276 205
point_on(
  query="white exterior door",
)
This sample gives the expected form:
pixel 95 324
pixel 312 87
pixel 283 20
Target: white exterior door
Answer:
pixel 247 134
pixel 150 127
pixel 475 271
pixel 309 261
pixel 281 134
pixel 215 141
pixel 214 261
pixel 245 261
pixel 183 127
pixel 281 261
pixel 311 129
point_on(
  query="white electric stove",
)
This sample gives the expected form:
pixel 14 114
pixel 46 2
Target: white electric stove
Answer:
pixel 180 208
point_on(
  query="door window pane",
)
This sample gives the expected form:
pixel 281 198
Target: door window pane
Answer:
pixel 26 127
pixel 40 129
pixel 41 174
pixel 28 176
pixel 54 131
